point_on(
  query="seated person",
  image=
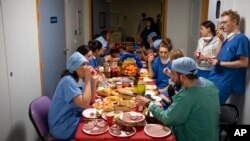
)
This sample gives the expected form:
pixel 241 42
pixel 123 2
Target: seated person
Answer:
pixel 172 88
pixel 156 66
pixel 70 99
pixel 194 113
pixel 97 50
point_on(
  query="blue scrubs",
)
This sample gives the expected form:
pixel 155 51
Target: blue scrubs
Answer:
pixel 64 114
pixel 161 79
pixel 231 80
pixel 93 63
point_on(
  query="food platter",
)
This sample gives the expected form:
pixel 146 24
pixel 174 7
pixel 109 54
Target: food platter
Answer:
pixel 131 117
pixel 116 131
pixel 157 130
pixel 95 127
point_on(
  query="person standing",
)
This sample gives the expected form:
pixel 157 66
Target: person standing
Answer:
pixel 229 73
pixel 206 48
pixel 149 29
pixel 194 113
pixel 142 23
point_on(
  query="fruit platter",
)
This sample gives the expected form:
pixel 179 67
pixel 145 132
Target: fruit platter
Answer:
pixel 131 64
pixel 129 67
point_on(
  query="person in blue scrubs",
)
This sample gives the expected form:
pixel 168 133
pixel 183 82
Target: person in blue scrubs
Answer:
pixel 194 113
pixel 157 65
pixel 70 99
pixel 97 50
pixel 229 73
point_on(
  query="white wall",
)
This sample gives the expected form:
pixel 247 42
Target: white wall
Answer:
pixel 178 23
pixel 22 59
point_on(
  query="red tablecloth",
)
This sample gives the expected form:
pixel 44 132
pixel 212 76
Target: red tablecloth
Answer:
pixel 139 136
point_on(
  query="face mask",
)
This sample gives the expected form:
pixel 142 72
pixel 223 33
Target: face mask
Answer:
pixel 164 61
pixel 206 38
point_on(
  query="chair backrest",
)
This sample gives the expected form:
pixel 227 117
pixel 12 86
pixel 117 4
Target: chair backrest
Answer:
pixel 38 114
pixel 229 114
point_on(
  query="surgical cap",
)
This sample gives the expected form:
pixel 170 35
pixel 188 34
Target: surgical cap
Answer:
pixel 102 41
pixel 157 43
pixel 75 61
pixel 184 65
pixel 151 35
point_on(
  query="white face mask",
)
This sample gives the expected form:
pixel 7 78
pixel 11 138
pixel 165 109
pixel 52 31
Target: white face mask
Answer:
pixel 207 38
pixel 164 61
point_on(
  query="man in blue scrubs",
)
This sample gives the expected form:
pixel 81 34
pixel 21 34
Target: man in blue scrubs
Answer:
pixel 229 73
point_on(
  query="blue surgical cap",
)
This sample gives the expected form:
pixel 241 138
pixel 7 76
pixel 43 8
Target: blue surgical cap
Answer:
pixel 75 61
pixel 184 65
pixel 157 43
pixel 102 41
pixel 151 35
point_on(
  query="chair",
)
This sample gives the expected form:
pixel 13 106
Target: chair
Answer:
pixel 38 114
pixel 229 117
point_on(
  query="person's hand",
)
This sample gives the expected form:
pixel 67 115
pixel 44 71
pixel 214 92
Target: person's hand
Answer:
pixel 167 71
pixel 219 34
pixel 87 72
pixel 212 61
pixel 141 100
pixel 151 58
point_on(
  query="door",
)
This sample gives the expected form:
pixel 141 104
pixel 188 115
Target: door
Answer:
pixel 52 43
pixel 5 122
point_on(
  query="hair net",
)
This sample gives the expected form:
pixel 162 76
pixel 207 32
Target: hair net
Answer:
pixel 151 35
pixel 102 41
pixel 157 43
pixel 75 61
pixel 184 65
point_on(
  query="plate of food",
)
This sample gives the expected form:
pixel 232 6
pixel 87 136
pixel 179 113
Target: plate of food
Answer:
pixel 151 87
pixel 95 127
pixel 132 117
pixel 150 92
pixel 91 113
pixel 122 131
pixel 153 97
pixel 157 130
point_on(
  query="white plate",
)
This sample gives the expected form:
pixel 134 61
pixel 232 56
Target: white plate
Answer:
pixel 90 113
pixel 123 133
pixel 133 114
pixel 151 87
pixel 157 130
pixel 96 133
pixel 150 92
pixel 156 98
pixel 146 79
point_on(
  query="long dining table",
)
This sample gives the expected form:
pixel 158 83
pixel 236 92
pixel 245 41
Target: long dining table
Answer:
pixel 140 135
